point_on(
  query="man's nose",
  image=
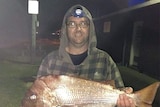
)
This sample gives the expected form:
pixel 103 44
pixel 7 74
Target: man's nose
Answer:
pixel 78 27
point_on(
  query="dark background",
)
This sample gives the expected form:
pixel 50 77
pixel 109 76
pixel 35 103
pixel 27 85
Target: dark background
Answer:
pixel 15 22
pixel 15 28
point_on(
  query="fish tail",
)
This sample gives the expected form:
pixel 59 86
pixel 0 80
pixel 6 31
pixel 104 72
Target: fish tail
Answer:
pixel 147 94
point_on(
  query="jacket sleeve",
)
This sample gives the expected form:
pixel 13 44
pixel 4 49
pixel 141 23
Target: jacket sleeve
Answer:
pixel 43 69
pixel 115 74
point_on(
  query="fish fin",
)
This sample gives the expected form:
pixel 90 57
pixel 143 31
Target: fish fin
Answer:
pixel 144 105
pixel 147 94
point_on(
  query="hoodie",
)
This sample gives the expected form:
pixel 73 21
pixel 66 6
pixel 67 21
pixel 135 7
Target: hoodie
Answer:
pixel 97 66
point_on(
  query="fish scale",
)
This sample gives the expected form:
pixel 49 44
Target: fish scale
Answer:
pixel 80 96
pixel 74 94
pixel 66 91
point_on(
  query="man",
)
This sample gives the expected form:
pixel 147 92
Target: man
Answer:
pixel 78 55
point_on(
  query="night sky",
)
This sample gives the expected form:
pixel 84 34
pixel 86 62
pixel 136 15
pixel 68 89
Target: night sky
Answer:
pixel 15 22
pixel 52 11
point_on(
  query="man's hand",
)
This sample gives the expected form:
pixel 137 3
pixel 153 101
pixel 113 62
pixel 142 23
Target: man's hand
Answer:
pixel 125 101
pixel 127 90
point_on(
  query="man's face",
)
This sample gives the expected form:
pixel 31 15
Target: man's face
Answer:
pixel 78 31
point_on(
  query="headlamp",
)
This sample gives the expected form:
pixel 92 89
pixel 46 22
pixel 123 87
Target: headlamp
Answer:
pixel 78 12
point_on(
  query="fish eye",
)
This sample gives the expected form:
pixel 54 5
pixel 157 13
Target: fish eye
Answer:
pixel 33 97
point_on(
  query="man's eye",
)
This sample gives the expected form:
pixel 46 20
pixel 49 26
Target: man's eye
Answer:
pixel 71 24
pixel 84 23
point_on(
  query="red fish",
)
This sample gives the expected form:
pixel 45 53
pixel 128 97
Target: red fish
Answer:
pixel 66 91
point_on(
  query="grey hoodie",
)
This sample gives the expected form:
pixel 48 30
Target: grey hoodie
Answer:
pixel 97 66
pixel 92 35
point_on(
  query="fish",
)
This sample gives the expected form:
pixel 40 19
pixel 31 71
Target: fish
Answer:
pixel 69 91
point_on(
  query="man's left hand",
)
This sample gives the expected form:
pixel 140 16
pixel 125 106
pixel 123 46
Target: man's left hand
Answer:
pixel 125 101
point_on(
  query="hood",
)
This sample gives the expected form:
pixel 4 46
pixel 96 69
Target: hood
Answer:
pixel 92 34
